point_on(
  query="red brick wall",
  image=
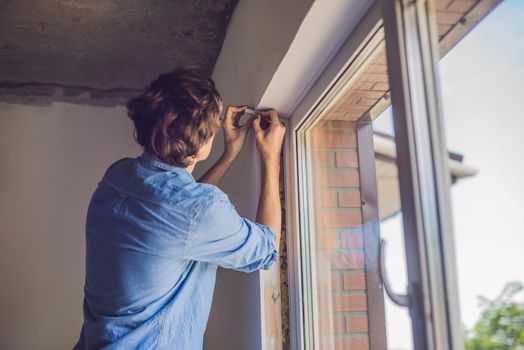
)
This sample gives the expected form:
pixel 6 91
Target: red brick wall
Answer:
pixel 342 298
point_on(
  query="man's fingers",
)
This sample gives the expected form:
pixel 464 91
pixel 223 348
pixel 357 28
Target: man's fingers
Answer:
pixel 236 108
pixel 250 121
pixel 247 125
pixel 272 115
pixel 256 124
pixel 233 114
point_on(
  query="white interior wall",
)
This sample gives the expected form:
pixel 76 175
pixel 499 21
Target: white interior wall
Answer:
pixel 52 159
pixel 273 52
pixel 258 38
pixel 234 322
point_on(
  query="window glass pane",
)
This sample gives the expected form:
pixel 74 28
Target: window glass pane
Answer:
pixel 398 321
pixel 342 212
pixel 482 81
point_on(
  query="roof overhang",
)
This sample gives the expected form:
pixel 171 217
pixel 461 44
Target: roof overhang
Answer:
pixel 387 174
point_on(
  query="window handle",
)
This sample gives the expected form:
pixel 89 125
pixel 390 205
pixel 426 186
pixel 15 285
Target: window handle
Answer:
pixel 399 299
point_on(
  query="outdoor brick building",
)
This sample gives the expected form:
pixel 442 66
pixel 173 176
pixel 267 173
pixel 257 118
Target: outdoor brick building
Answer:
pixel 342 295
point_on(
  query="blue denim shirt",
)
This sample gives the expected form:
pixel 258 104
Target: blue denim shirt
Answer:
pixel 154 239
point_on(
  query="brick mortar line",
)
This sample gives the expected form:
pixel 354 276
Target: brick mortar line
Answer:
pixel 348 250
pixel 339 167
pixel 341 170
pixel 334 129
pixel 339 209
pixel 344 149
pixel 338 188
pixel 343 272
pixel 349 292
pixel 346 313
pixel 351 335
pixel 346 270
pixel 331 231
pixel 347 334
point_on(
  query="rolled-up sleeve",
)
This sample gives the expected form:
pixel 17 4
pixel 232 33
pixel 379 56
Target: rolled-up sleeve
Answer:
pixel 219 235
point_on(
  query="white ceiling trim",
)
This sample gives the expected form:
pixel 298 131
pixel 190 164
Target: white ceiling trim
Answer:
pixel 325 28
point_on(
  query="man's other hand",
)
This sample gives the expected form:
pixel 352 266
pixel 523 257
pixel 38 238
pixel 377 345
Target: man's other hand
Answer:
pixel 234 134
pixel 269 139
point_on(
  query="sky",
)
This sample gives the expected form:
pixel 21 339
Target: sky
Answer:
pixel 482 80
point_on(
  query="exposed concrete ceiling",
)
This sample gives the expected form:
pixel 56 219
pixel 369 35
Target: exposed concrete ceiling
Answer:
pixel 103 50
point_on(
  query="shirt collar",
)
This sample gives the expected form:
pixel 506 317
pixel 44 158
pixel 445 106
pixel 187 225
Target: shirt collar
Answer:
pixel 153 160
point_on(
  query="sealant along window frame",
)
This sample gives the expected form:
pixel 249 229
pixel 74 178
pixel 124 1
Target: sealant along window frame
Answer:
pixel 410 30
pixel 357 48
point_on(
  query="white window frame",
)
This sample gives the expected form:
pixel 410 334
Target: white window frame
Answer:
pixel 433 281
pixel 304 334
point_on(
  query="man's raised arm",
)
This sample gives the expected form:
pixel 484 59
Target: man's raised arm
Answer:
pixel 269 142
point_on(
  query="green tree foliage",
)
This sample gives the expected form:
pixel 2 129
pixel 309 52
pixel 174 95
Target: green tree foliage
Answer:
pixel 501 324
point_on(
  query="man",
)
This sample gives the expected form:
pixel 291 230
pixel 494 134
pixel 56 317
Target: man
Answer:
pixel 155 236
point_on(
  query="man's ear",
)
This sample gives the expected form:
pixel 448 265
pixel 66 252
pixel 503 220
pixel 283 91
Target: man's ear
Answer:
pixel 192 159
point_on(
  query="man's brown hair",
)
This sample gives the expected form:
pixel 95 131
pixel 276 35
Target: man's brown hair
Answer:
pixel 176 115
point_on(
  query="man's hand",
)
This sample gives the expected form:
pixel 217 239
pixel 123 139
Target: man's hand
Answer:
pixel 234 139
pixel 234 134
pixel 269 140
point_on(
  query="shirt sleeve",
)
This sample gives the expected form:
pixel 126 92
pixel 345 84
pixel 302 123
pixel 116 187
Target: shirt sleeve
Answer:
pixel 219 235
